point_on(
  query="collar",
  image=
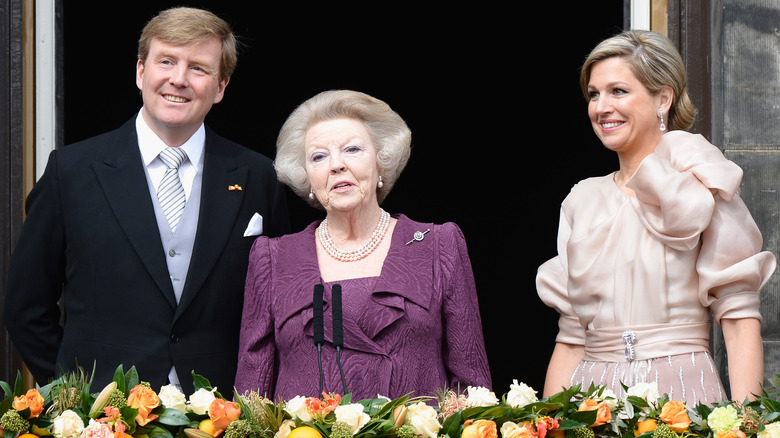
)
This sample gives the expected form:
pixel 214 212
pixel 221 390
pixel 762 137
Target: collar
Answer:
pixel 151 145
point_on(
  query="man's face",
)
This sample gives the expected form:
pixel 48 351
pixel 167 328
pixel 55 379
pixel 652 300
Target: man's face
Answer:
pixel 179 84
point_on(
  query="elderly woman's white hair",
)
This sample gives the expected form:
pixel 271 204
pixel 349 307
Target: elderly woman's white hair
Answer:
pixel 389 133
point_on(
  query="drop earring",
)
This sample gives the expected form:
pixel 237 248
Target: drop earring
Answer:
pixel 311 193
pixel 380 184
pixel 661 115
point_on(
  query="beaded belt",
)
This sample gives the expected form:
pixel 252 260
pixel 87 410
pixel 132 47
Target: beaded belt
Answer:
pixel 620 344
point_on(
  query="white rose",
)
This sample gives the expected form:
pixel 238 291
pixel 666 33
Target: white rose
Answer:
pixel 520 395
pixel 200 401
pixel 67 425
pixel 423 419
pixel 172 398
pixel 609 397
pixel 645 390
pixel 480 396
pixel 296 407
pixel 284 429
pixel 771 430
pixel 352 415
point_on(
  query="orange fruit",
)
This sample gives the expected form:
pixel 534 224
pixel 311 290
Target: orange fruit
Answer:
pixel 648 425
pixel 28 435
pixel 304 432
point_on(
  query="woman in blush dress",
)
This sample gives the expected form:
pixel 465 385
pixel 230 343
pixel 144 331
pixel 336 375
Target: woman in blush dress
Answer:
pixel 650 254
pixel 410 315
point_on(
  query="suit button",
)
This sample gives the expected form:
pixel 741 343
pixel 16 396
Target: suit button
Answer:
pixel 174 338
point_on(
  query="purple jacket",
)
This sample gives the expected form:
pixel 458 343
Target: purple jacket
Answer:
pixel 414 329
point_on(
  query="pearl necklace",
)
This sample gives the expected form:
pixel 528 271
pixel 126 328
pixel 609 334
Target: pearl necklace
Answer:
pixel 357 254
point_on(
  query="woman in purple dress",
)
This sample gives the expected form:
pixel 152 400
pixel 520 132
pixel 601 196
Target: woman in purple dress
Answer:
pixel 409 318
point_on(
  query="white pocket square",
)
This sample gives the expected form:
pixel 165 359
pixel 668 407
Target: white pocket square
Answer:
pixel 255 227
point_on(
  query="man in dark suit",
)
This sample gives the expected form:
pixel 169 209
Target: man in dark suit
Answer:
pixel 148 257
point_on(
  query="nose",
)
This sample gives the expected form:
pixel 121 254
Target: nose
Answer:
pixel 337 163
pixel 602 105
pixel 179 76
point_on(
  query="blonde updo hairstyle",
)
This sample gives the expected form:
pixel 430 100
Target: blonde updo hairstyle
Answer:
pixel 389 134
pixel 655 62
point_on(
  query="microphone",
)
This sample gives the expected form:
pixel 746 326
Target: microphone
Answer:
pixel 319 333
pixel 338 330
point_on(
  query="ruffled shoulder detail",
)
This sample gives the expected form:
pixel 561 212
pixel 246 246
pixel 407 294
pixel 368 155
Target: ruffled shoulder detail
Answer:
pixel 692 152
pixel 675 187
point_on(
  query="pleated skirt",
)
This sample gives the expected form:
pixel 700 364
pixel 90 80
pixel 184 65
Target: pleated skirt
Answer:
pixel 691 378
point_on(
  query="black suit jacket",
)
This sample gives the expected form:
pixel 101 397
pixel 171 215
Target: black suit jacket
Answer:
pixel 91 239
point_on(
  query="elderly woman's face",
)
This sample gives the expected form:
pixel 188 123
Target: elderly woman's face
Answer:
pixel 624 114
pixel 341 164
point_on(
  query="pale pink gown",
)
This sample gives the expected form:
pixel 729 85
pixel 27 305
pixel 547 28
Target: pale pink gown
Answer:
pixel 637 280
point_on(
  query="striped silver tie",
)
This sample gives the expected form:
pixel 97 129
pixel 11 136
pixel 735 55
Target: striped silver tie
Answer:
pixel 170 192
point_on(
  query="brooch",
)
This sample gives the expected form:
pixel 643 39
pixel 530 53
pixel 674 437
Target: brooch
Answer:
pixel 629 338
pixel 418 236
pixel 235 187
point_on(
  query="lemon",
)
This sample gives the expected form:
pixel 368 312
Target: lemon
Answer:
pixel 304 432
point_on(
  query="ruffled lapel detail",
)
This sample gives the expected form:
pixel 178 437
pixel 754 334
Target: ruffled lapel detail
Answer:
pixel 406 277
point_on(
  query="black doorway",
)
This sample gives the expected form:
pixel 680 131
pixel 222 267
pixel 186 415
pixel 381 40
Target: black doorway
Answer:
pixel 500 131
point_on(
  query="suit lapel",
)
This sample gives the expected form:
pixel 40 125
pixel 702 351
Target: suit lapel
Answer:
pixel 122 178
pixel 219 208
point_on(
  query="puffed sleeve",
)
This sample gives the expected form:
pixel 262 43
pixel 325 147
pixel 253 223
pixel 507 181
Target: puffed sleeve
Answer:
pixel 732 267
pixel 465 355
pixel 552 288
pixel 686 195
pixel 257 350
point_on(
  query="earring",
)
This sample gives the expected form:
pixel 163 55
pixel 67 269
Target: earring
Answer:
pixel 311 193
pixel 661 115
pixel 380 184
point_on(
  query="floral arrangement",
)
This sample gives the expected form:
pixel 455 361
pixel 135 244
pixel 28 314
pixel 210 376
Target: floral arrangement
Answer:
pixel 130 408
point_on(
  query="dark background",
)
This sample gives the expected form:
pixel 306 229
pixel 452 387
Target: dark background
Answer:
pixel 500 128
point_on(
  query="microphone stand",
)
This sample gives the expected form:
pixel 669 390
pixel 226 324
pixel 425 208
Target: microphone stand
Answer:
pixel 319 332
pixel 338 331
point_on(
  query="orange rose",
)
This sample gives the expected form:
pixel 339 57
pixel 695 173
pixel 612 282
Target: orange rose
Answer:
pixel 145 400
pixel 603 416
pixel 643 426
pixel 734 433
pixel 675 414
pixel 223 413
pixel 32 400
pixel 479 429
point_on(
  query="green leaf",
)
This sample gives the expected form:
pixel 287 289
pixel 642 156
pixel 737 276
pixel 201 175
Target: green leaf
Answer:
pixel 200 382
pixel 7 389
pixel 119 378
pixel 587 417
pixel 638 401
pixel 19 385
pixel 131 379
pixel 171 417
pixel 159 432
